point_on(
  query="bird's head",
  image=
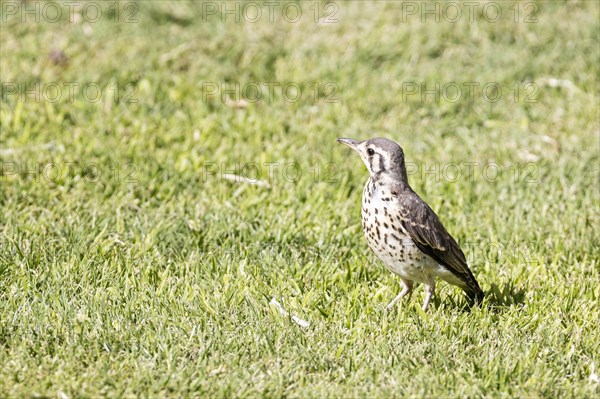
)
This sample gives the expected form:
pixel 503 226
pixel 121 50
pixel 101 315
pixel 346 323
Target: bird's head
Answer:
pixel 383 157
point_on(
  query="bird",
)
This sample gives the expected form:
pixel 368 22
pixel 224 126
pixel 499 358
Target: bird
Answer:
pixel 402 230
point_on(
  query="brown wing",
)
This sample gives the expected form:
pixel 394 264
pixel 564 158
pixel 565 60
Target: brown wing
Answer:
pixel 429 235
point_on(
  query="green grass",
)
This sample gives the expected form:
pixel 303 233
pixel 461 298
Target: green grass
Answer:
pixel 156 280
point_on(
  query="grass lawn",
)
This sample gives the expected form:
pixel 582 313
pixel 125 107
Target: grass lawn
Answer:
pixel 133 263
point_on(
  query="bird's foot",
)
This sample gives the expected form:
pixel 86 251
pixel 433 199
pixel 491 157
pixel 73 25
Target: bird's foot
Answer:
pixel 430 292
pixel 405 291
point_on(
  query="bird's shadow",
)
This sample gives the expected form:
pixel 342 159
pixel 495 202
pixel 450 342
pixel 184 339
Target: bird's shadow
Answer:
pixel 505 296
pixel 496 298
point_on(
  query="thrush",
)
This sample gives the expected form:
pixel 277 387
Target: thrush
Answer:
pixel 402 230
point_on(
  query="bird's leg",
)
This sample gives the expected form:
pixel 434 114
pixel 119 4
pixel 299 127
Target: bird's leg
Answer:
pixel 407 286
pixel 430 289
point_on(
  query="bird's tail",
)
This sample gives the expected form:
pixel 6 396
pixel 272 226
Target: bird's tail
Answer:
pixel 474 293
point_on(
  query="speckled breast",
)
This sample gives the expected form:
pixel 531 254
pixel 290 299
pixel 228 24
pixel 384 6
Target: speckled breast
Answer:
pixel 385 234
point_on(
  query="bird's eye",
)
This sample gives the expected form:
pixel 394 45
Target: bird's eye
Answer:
pixel 370 151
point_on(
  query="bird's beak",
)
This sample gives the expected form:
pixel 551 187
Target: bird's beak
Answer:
pixel 349 142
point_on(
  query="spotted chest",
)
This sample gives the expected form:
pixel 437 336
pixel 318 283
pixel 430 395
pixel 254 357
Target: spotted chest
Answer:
pixel 386 236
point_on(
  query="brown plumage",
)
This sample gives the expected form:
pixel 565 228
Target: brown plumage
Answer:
pixel 431 237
